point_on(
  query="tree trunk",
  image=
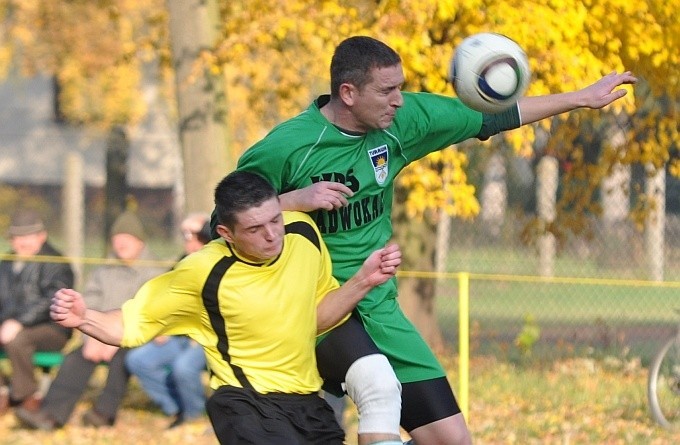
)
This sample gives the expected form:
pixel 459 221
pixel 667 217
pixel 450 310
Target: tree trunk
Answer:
pixel 417 295
pixel 546 197
pixel 494 198
pixel 655 224
pixel 616 228
pixel 116 191
pixel 201 101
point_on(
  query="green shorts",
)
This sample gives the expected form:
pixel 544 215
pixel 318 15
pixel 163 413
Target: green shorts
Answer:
pixel 426 394
pixel 393 335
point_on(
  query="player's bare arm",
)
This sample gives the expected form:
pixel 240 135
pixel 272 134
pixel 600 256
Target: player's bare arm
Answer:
pixel 321 195
pixel 379 267
pixel 69 310
pixel 597 95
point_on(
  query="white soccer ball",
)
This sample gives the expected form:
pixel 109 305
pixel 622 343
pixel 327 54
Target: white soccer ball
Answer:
pixel 489 72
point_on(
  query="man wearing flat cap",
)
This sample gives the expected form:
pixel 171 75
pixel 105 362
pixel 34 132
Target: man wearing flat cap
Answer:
pixel 27 285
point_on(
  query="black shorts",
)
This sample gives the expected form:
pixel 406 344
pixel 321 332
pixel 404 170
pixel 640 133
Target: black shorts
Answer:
pixel 423 402
pixel 243 416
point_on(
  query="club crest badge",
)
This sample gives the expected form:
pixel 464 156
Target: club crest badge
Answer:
pixel 379 160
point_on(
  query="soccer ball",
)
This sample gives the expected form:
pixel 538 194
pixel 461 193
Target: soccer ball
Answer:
pixel 489 72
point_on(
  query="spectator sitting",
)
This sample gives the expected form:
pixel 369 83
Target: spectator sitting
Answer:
pixel 26 290
pixel 169 368
pixel 107 288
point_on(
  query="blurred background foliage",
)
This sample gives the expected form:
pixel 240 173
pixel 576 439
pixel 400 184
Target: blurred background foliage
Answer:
pixel 274 57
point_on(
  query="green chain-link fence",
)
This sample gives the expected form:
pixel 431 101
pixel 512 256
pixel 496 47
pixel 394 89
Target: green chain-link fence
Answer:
pixel 603 295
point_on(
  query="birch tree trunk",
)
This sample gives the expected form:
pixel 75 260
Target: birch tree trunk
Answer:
pixel 494 198
pixel 655 188
pixel 546 197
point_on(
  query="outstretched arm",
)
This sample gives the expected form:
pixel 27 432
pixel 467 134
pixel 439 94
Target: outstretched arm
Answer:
pixel 69 310
pixel 379 267
pixel 598 95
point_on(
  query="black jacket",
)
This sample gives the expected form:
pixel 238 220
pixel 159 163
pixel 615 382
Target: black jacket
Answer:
pixel 26 296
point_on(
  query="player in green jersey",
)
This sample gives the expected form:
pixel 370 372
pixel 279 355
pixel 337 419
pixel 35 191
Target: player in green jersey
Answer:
pixel 338 160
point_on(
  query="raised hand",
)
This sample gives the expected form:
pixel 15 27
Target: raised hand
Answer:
pixel 605 91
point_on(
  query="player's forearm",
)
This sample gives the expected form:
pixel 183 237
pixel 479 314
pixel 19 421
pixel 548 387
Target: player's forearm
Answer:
pixel 340 302
pixel 535 108
pixel 106 327
pixel 289 202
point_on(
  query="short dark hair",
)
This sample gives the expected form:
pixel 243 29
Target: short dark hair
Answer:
pixel 240 191
pixel 355 57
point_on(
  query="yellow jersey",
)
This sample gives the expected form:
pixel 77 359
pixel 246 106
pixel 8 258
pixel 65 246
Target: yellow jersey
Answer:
pixel 256 322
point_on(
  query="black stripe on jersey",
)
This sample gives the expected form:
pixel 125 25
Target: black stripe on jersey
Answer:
pixel 304 229
pixel 212 306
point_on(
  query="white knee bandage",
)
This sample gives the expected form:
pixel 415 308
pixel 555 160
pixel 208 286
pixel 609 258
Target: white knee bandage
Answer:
pixel 376 391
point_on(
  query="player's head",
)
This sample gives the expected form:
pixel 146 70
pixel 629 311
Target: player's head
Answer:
pixel 240 191
pixel 249 215
pixel 355 58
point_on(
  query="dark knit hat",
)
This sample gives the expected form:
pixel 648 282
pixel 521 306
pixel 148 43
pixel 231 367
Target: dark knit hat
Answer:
pixel 25 222
pixel 128 222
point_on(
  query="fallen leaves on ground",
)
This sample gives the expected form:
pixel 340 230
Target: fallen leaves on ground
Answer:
pixel 576 401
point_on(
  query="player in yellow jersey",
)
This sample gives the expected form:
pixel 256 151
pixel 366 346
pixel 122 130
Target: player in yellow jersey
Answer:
pixel 255 299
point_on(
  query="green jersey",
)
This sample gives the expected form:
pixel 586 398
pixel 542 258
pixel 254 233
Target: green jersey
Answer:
pixel 308 149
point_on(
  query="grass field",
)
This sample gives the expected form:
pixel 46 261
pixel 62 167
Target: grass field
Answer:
pixel 577 401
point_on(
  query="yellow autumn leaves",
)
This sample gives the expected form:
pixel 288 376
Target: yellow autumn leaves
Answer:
pixel 274 57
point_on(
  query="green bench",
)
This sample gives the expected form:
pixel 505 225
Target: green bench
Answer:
pixel 44 360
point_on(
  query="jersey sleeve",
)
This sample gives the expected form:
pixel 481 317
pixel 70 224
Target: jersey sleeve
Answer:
pixel 271 156
pixel 262 158
pixel 278 155
pixel 430 122
pixel 168 304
